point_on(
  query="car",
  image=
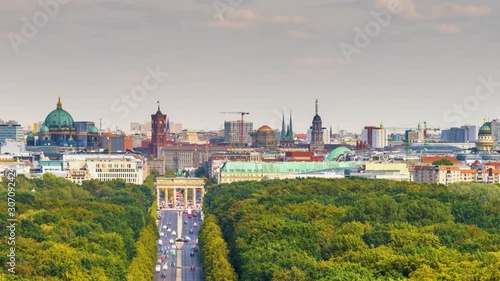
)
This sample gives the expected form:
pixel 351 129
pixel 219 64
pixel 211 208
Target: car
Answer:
pixel 160 242
pixel 173 253
pixel 174 247
pixel 174 233
pixel 165 267
pixel 169 222
pixel 162 258
pixel 171 241
pixel 160 249
pixel 162 234
pixel 191 253
pixel 158 268
pixel 172 264
pixel 169 229
pixel 164 227
pixel 191 231
pixel 192 267
pixel 195 224
pixel 163 274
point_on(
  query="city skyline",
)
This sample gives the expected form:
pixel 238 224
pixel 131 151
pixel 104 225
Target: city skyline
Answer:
pixel 426 63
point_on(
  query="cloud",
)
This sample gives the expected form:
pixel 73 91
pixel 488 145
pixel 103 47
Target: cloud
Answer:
pixel 298 34
pixel 452 10
pixel 449 28
pixel 242 15
pixel 318 61
pixel 307 74
pixel 287 19
pixel 230 24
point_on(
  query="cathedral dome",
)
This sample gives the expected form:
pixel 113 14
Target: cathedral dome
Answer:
pixel 93 130
pixel 265 128
pixel 316 118
pixel 44 129
pixel 59 118
pixel 485 130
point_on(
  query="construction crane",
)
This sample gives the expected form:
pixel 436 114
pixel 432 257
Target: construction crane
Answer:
pixel 425 136
pixel 109 135
pixel 242 135
pixel 418 129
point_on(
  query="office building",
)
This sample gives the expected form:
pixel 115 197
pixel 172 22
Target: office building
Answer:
pixel 374 137
pixel 232 132
pixel 470 132
pixel 11 131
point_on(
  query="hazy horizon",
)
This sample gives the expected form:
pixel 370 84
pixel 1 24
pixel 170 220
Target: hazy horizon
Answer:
pixel 422 62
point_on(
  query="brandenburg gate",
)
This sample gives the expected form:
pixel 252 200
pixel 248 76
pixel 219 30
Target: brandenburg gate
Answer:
pixel 173 184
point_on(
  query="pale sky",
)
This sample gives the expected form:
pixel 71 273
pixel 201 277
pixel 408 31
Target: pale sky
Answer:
pixel 422 63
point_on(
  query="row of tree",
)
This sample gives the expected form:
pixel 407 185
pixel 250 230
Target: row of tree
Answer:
pixel 214 252
pixel 70 232
pixel 356 229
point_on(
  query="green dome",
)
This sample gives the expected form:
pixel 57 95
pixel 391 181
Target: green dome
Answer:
pixel 336 152
pixel 31 135
pixel 59 118
pixel 93 129
pixel 44 129
pixel 485 129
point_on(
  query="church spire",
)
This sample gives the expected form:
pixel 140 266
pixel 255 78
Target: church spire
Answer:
pixel 283 129
pixel 59 103
pixel 159 111
pixel 290 134
pixel 316 106
pixel 168 125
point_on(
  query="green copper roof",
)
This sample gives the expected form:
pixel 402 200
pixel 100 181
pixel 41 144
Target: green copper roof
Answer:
pixel 485 129
pixel 336 152
pixel 59 117
pixel 282 167
pixel 44 129
pixel 93 129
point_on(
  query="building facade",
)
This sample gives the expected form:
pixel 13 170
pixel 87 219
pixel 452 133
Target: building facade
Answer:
pixel 11 131
pixel 232 132
pixel 265 138
pixel 375 137
pixel 131 168
pixel 184 155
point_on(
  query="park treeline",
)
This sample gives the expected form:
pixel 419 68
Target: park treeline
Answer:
pixel 356 229
pixel 214 252
pixel 94 231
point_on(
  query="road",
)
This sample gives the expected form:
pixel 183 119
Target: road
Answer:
pixel 187 259
pixel 183 261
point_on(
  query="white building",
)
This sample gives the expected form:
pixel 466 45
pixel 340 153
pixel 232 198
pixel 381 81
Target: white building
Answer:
pixel 12 147
pixel 375 137
pixel 129 167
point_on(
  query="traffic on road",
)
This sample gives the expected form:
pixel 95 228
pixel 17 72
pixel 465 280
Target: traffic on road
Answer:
pixel 178 252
